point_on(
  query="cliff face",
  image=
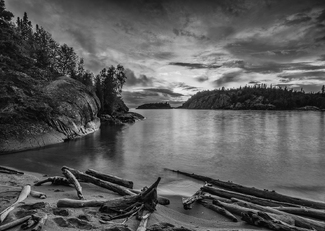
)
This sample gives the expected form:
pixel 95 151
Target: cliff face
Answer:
pixel 34 114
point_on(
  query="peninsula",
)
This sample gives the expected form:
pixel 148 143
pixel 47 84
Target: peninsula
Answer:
pixel 155 106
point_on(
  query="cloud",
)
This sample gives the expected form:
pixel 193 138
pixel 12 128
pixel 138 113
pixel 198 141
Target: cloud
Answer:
pixel 297 19
pixel 186 87
pixel 311 75
pixel 164 55
pixel 132 80
pixel 194 65
pixel 227 78
pixel 321 17
pixel 202 78
pixel 166 92
pixel 84 38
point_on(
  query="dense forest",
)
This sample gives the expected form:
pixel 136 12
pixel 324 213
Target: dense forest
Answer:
pixel 256 97
pixel 30 51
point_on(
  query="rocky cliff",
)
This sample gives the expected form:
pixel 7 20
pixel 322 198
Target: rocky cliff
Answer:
pixel 34 113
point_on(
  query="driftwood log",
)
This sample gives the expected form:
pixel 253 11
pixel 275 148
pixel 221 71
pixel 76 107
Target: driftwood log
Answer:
pixel 10 171
pixel 40 224
pixel 219 210
pixel 131 205
pixel 256 200
pixel 144 220
pixel 14 223
pixel 22 196
pixel 262 219
pixel 298 220
pixel 55 180
pixel 256 192
pixel 238 210
pixel 303 211
pixel 110 178
pixel 73 181
pixel 101 183
pixel 187 202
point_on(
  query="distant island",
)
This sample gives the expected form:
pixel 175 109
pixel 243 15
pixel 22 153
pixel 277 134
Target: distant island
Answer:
pixel 155 106
pixel 259 97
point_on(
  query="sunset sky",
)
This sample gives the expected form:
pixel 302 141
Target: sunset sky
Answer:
pixel 173 48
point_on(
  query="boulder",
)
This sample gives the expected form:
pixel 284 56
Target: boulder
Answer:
pixel 34 113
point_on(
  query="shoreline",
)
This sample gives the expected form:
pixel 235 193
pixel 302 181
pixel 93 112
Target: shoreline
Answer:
pixel 163 214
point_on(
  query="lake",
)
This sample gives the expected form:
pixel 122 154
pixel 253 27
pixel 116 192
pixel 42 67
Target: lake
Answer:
pixel 277 150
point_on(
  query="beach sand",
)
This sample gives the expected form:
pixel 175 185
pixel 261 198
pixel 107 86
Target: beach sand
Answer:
pixel 198 218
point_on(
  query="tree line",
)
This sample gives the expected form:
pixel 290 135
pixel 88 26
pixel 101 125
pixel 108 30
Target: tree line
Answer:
pixel 280 97
pixel 32 51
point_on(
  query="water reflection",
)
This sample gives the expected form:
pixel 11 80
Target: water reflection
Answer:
pixel 281 150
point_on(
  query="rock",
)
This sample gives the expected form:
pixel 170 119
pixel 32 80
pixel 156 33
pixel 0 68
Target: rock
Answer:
pixel 61 212
pixel 84 217
pixel 44 112
pixel 308 108
pixel 166 227
pixel 118 228
pixel 38 205
pixel 73 223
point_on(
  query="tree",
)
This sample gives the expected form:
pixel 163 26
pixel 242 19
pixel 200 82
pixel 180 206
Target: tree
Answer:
pixel 323 89
pixel 66 60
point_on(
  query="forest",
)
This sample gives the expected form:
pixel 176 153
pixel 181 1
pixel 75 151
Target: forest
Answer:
pixel 280 98
pixel 31 51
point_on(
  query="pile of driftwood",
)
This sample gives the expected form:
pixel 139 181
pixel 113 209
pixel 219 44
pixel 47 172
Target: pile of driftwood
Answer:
pixel 261 208
pixel 132 203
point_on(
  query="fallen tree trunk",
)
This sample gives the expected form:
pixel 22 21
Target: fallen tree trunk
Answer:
pixel 110 178
pixel 22 196
pixel 161 200
pixel 261 219
pixel 187 202
pixel 214 197
pixel 219 210
pixel 40 224
pixel 236 209
pixel 252 199
pixel 303 211
pixel 132 205
pixel 14 223
pixel 299 221
pixel 71 203
pixel 10 171
pixel 256 192
pixel 104 184
pixel 144 220
pixel 55 180
pixel 73 181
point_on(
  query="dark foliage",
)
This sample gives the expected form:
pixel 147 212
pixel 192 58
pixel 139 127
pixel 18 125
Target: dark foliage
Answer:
pixel 25 51
pixel 280 98
pixel 155 106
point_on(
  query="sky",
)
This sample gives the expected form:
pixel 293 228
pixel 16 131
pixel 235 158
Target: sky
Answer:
pixel 172 49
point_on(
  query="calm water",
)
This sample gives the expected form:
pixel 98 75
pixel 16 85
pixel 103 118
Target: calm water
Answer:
pixel 280 150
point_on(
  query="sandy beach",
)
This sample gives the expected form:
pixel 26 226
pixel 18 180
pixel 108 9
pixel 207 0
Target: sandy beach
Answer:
pixel 168 217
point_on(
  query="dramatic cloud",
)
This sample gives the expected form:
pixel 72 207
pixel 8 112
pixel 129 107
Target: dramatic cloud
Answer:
pixel 132 80
pixel 194 65
pixel 227 78
pixel 202 44
pixel 165 92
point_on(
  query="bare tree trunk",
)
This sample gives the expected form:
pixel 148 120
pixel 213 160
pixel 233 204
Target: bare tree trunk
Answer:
pixel 110 178
pixel 255 200
pixel 104 184
pixel 73 181
pixel 14 223
pixel 256 192
pixel 261 219
pixel 303 211
pixel 219 210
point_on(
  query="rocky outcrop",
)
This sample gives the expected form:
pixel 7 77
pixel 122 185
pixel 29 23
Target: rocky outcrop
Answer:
pixel 35 114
